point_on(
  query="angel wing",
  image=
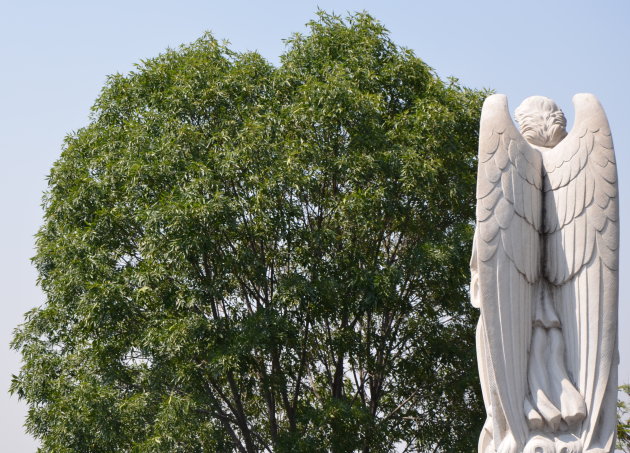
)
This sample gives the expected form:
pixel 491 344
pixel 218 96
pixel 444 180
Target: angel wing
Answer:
pixel 506 265
pixel 581 235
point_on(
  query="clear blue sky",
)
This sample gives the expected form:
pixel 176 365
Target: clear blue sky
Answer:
pixel 55 57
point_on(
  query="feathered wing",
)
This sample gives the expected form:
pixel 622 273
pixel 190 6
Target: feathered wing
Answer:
pixel 581 235
pixel 507 264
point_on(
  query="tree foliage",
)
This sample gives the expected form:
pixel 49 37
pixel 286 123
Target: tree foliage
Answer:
pixel 242 257
pixel 623 419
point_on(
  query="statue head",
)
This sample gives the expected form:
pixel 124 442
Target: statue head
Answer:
pixel 541 121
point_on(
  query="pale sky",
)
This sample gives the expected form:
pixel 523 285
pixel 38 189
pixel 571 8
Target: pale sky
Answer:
pixel 55 57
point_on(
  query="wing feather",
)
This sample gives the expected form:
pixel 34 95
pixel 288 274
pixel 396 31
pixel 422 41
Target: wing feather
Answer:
pixel 483 213
pixel 490 201
pixel 562 206
pixel 526 208
pixel 570 203
pixel 581 243
pixel 493 173
pixel 580 195
pixel 506 242
pixel 507 187
pixel 580 239
pixel 576 166
pixel 569 249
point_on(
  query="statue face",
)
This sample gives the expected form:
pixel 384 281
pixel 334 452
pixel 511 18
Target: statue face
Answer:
pixel 541 121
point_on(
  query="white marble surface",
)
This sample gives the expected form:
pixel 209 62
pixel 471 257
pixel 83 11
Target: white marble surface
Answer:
pixel 545 277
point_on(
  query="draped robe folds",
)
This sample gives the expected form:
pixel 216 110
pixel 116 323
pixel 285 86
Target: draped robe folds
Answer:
pixel 545 278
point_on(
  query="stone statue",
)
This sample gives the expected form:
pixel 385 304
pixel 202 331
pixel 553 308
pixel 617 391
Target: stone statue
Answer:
pixel 544 275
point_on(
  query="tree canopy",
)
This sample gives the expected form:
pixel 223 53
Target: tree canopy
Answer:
pixel 623 419
pixel 242 257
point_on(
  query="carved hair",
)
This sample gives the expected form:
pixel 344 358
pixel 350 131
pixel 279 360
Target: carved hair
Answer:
pixel 541 121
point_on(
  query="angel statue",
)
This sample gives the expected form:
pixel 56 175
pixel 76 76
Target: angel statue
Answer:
pixel 544 276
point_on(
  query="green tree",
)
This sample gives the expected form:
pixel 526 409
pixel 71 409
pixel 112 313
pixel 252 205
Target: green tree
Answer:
pixel 623 419
pixel 242 257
